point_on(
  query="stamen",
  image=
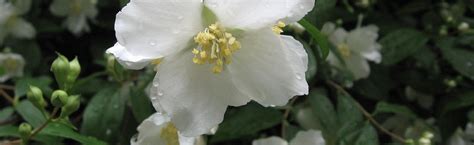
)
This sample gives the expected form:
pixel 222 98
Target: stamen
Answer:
pixel 344 50
pixel 215 47
pixel 278 28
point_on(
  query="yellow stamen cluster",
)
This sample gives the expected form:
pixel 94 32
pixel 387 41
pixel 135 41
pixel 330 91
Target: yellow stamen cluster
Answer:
pixel 10 64
pixel 215 46
pixel 169 133
pixel 278 28
pixel 344 50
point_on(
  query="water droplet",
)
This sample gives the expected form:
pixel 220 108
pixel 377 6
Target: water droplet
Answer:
pixel 160 93
pixel 272 105
pixel 180 17
pixel 153 98
pixel 298 76
pixel 156 84
pixel 108 131
pixel 176 31
pixel 152 43
pixel 301 6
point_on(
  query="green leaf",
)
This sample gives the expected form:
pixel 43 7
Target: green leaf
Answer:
pixel 462 60
pixel 318 37
pixel 324 111
pixel 247 120
pixel 23 84
pixel 104 114
pixel 384 107
pixel 60 130
pixel 141 106
pixel 9 130
pixel 321 12
pixel 312 62
pixel 400 44
pixel 461 101
pixel 6 112
pixel 367 136
pixel 30 113
pixel 2 70
pixel 30 51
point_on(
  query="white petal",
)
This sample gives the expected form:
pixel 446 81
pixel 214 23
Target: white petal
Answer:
pixel 328 28
pixel 128 60
pixel 270 141
pixel 150 132
pixel 364 41
pixel 156 28
pixel 256 14
pixel 23 29
pixel 6 11
pixel 13 65
pixel 77 24
pixel 358 66
pixel 195 97
pixel 270 69
pixel 60 7
pixel 310 137
pixel 338 36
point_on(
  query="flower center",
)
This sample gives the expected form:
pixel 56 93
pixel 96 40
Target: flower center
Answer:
pixel 169 133
pixel 215 47
pixel 344 50
pixel 278 28
pixel 10 64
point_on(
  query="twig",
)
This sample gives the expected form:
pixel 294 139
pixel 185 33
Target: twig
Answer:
pixel 285 116
pixel 367 114
pixel 6 96
pixel 7 87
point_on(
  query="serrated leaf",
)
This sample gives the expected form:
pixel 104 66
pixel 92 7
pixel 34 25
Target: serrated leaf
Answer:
pixel 384 107
pixel 23 84
pixel 400 44
pixel 318 37
pixel 247 120
pixel 104 114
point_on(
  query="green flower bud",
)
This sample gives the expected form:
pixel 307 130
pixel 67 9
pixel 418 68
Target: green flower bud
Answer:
pixel 72 104
pixel 59 98
pixel 74 70
pixel 60 68
pixel 35 95
pixel 25 130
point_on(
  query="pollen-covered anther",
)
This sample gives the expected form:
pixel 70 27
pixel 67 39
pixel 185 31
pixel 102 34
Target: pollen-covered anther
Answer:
pixel 344 50
pixel 278 28
pixel 215 47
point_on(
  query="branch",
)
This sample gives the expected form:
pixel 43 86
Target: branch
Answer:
pixel 5 95
pixel 367 114
pixel 285 116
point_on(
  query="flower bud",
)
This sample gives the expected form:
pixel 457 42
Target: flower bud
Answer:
pixel 72 104
pixel 25 130
pixel 59 98
pixel 463 27
pixel 60 68
pixel 73 73
pixel 35 95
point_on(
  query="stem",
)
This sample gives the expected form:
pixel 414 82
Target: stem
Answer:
pixel 367 114
pixel 285 116
pixel 6 96
pixel 7 87
pixel 50 119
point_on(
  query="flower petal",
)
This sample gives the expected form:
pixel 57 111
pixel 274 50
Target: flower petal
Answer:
pixel 195 97
pixel 156 28
pixel 364 41
pixel 310 137
pixel 338 36
pixel 127 59
pixel 270 69
pixel 270 141
pixel 150 132
pixel 23 29
pixel 328 28
pixel 358 66
pixel 256 14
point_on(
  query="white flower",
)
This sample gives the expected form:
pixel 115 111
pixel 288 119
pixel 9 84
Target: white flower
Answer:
pixel 355 48
pixel 207 63
pixel 158 130
pixel 10 21
pixel 310 137
pixel 463 138
pixel 11 65
pixel 77 13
